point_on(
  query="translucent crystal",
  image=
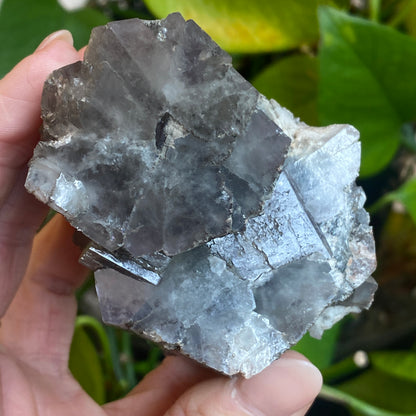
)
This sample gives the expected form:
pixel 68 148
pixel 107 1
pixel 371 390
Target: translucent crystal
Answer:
pixel 221 226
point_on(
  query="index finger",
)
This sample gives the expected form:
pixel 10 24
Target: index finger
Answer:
pixel 20 214
pixel 20 94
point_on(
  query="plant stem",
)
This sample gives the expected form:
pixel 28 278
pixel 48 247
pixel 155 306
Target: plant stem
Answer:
pixel 88 283
pixel 366 409
pixel 340 370
pixel 51 213
pixel 127 352
pixel 402 13
pixel 90 322
pixel 115 356
pixel 375 10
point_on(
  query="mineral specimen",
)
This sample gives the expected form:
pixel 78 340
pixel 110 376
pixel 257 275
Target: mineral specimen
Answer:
pixel 220 225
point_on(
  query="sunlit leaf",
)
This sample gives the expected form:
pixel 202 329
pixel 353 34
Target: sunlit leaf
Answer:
pixel 401 364
pixel 249 26
pixel 293 82
pixel 85 365
pixel 23 25
pixel 367 78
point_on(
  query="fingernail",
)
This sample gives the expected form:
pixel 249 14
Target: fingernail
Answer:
pixel 284 388
pixel 64 35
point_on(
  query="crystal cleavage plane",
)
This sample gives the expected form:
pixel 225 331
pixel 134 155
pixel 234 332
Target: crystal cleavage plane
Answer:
pixel 220 226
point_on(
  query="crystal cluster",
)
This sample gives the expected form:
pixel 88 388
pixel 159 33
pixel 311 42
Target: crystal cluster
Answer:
pixel 220 226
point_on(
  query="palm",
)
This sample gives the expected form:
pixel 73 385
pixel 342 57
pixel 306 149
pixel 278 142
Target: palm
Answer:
pixel 41 384
pixel 36 334
pixel 29 392
pixel 38 307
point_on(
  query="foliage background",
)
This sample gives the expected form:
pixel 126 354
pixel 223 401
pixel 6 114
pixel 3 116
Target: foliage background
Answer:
pixel 328 61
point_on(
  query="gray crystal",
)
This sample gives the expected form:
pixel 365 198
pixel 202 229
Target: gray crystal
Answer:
pixel 221 226
pixel 187 119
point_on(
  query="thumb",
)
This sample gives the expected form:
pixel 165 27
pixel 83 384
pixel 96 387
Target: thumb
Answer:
pixel 286 388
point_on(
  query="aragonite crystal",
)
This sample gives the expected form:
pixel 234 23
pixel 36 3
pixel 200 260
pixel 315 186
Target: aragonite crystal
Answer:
pixel 220 226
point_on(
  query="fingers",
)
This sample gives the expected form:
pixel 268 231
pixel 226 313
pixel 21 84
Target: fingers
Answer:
pixel 38 326
pixel 81 52
pixel 161 388
pixel 285 388
pixel 16 234
pixel 20 94
pixel 20 214
pixel 181 387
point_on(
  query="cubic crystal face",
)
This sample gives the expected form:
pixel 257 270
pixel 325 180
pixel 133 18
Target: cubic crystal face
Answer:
pixel 220 226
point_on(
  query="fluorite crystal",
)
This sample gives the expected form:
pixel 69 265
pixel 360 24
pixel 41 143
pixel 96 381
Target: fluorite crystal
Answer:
pixel 220 226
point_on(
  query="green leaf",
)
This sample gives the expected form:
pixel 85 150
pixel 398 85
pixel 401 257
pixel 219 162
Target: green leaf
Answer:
pixel 23 25
pixel 406 194
pixel 249 26
pixel 401 364
pixel 406 14
pixel 81 22
pixel 383 391
pixel 343 4
pixel 357 406
pixel 293 82
pixel 153 360
pixel 85 365
pixel 411 22
pixel 320 351
pixel 367 79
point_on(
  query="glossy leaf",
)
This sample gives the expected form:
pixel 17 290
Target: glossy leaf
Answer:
pixel 383 391
pixel 401 364
pixel 249 26
pixel 367 79
pixel 85 365
pixel 357 406
pixel 23 25
pixel 293 82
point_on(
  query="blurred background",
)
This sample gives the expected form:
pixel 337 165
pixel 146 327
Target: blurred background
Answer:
pixel 328 61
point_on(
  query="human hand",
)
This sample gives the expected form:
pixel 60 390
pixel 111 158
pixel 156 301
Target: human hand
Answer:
pixel 38 307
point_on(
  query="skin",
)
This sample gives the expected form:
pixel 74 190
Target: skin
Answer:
pixel 39 274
